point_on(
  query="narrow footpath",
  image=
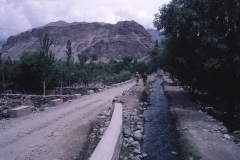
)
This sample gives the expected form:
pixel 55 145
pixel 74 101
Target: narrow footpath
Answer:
pixel 204 133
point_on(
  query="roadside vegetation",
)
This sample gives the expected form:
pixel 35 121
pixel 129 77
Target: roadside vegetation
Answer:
pixel 39 71
pixel 201 49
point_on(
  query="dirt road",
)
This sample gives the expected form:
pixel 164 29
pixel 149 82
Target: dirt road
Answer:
pixel 57 133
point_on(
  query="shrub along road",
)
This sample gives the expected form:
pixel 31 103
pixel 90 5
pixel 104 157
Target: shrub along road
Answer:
pixel 58 132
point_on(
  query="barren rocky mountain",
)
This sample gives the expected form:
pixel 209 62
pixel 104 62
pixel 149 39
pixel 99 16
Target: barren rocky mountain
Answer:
pixel 156 35
pixel 1 43
pixel 107 40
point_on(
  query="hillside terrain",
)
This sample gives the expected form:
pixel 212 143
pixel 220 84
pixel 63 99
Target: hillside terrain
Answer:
pixel 107 40
pixel 156 35
pixel 1 43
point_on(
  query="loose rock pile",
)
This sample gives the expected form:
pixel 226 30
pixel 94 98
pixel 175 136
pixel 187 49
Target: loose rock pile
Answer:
pixel 40 101
pixel 133 123
pixel 8 102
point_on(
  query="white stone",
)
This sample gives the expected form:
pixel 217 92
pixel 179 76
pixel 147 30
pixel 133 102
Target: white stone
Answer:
pixel 227 137
pixel 101 131
pixel 90 92
pixel 56 102
pixel 76 96
pixel 138 135
pixel 135 144
pixel 20 111
pixel 185 128
pixel 174 152
pixel 137 151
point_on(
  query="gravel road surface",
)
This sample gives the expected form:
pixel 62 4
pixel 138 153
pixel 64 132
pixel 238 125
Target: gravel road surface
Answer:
pixel 58 132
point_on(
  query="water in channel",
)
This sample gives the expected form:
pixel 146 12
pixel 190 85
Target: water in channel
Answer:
pixel 160 137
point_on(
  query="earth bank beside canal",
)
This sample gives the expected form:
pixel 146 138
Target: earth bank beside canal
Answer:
pixel 202 136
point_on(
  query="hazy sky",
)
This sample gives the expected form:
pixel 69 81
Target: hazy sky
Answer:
pixel 20 15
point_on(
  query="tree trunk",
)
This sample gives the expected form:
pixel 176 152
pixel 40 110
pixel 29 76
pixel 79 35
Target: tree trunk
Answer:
pixel 230 107
pixel 44 87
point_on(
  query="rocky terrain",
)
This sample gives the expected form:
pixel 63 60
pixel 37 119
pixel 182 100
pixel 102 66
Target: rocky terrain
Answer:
pixel 133 124
pixel 107 40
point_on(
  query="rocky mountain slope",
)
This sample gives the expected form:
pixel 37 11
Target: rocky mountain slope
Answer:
pixel 107 40
pixel 1 43
pixel 156 35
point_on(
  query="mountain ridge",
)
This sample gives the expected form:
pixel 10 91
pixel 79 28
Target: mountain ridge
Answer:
pixel 107 40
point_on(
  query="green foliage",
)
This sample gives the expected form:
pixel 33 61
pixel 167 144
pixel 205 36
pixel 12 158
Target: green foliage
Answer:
pixel 142 67
pixel 69 52
pixel 126 151
pixel 60 74
pixel 36 70
pixel 46 61
pixel 122 76
pixel 187 150
pixel 127 60
pixel 202 45
pixel 82 58
pixel 94 57
pixel 29 72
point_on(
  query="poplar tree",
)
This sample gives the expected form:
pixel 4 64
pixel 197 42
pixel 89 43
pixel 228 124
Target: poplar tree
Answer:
pixel 46 61
pixel 70 59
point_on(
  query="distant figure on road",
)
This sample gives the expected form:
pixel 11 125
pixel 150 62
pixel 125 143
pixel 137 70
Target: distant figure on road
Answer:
pixel 137 76
pixel 144 76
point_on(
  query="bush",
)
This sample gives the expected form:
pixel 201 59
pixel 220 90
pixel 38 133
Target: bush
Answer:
pixel 122 76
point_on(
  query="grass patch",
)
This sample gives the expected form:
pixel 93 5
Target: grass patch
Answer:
pixel 186 149
pixel 126 151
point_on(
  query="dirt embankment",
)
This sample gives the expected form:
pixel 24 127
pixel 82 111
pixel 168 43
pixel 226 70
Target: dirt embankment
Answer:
pixel 202 136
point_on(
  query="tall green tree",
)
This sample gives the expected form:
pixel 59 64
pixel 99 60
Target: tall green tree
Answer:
pixel 94 57
pixel 202 45
pixel 46 61
pixel 29 72
pixel 70 53
pixel 82 58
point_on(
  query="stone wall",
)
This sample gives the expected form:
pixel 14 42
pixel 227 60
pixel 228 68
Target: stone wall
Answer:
pixel 38 101
pixel 32 100
pixel 74 90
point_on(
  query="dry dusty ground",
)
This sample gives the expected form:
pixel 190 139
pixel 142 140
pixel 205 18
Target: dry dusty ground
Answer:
pixel 198 127
pixel 57 133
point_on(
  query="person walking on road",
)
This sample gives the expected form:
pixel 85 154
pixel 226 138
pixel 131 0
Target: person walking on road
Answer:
pixel 137 76
pixel 144 76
